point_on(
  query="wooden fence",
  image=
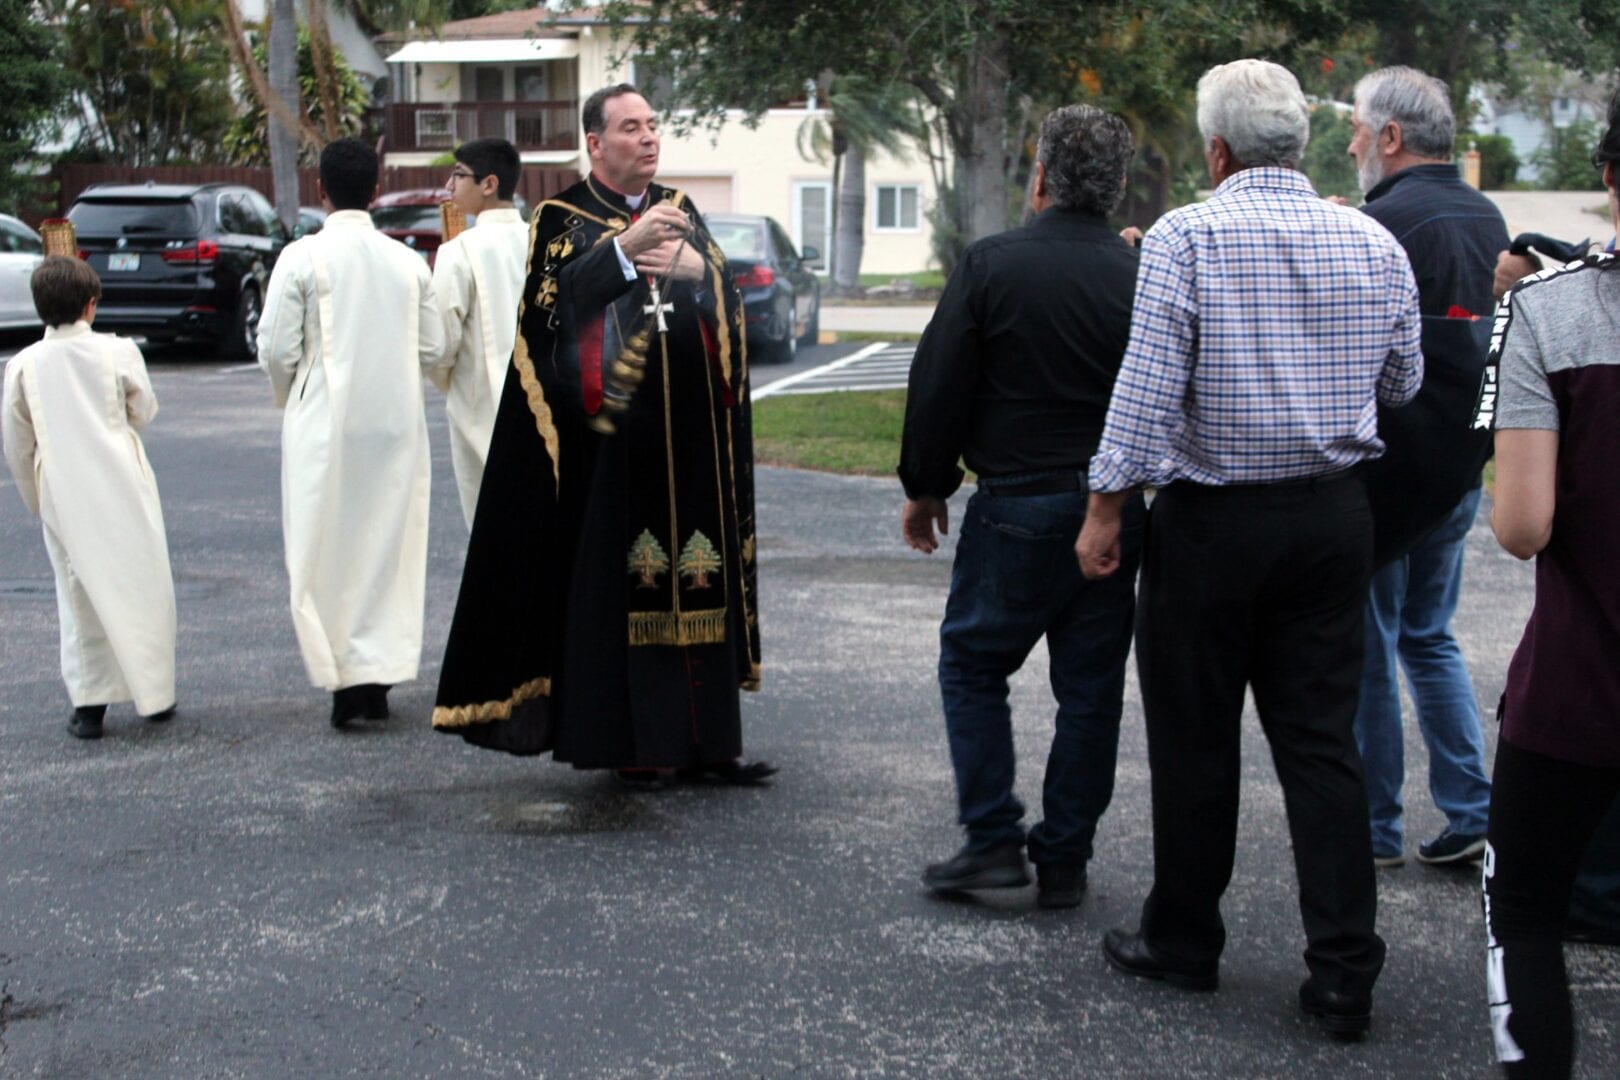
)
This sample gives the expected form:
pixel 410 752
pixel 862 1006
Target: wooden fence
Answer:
pixel 537 183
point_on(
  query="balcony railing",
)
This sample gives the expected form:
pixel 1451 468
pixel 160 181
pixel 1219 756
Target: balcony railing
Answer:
pixel 528 125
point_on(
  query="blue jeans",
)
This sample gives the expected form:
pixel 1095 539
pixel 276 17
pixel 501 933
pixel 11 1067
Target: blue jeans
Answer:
pixel 1409 609
pixel 1016 580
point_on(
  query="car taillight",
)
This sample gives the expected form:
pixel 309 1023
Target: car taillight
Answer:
pixel 203 251
pixel 755 277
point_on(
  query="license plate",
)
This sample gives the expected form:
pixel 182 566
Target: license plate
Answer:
pixel 123 260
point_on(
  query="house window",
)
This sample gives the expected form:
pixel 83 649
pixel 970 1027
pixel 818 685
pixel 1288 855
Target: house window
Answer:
pixel 896 207
pixel 655 83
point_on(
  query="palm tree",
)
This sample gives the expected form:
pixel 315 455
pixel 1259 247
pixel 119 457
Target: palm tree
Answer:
pixel 862 116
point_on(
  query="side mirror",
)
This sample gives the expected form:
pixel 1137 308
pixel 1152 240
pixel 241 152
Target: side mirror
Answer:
pixel 809 254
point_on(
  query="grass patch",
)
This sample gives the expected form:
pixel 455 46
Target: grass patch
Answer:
pixel 850 431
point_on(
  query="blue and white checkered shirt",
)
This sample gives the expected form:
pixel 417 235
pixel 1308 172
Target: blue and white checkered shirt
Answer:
pixel 1266 321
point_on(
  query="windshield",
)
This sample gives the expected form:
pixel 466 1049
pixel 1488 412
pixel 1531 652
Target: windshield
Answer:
pixel 129 217
pixel 739 239
pixel 407 218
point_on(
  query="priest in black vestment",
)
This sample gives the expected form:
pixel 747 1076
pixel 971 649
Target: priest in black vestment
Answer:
pixel 607 611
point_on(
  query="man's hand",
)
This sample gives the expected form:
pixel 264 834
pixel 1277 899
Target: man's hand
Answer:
pixel 1510 268
pixel 659 224
pixel 1131 235
pixel 687 263
pixel 917 520
pixel 1097 549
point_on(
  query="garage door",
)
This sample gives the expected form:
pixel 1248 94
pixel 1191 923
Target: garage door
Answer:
pixel 711 194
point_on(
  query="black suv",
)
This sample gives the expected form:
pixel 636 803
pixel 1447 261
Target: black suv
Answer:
pixel 180 260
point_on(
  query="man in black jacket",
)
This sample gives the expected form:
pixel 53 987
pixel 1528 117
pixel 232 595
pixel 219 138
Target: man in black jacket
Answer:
pixel 1013 377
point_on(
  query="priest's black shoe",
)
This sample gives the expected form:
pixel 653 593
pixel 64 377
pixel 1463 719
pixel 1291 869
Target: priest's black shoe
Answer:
pixel 994 868
pixel 1132 954
pixel 1059 885
pixel 161 716
pixel 86 721
pixel 1345 1016
pixel 348 704
pixel 735 772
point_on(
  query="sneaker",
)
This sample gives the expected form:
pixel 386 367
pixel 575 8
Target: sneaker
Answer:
pixel 1452 847
pixel 1389 862
pixel 1059 885
pixel 998 868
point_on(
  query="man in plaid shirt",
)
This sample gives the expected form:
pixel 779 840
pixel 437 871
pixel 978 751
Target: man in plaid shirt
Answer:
pixel 1268 326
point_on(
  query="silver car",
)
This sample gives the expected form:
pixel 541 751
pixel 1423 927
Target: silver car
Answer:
pixel 20 251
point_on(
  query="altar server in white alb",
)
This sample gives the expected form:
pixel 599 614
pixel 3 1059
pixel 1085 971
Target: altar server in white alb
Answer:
pixel 478 281
pixel 73 406
pixel 349 328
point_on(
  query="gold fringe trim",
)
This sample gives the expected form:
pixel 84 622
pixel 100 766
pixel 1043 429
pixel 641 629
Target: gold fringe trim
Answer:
pixel 543 420
pixel 454 716
pixel 678 628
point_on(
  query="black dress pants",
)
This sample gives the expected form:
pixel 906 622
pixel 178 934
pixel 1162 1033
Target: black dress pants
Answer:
pixel 1258 586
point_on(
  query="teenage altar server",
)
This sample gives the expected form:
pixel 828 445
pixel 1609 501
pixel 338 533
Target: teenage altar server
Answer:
pixel 349 328
pixel 478 282
pixel 73 406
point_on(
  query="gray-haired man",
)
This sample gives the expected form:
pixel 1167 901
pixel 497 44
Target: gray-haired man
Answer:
pixel 1013 375
pixel 1402 145
pixel 1267 323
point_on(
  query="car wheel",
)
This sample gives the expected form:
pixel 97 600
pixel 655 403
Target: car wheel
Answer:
pixel 242 338
pixel 812 329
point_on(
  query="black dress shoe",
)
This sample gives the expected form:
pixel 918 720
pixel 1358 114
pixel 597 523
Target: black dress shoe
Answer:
pixel 1059 885
pixel 347 704
pixel 735 772
pixel 85 722
pixel 1345 1016
pixel 160 716
pixel 996 868
pixel 644 779
pixel 374 701
pixel 1132 954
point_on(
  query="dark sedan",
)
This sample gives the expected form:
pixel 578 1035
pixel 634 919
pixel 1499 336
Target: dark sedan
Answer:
pixel 781 294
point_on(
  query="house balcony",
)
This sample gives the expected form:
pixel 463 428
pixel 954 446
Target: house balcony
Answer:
pixel 529 125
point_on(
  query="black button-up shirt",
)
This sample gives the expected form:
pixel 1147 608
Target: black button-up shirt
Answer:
pixel 1451 234
pixel 1014 372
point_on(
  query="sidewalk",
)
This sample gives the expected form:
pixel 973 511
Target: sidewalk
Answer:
pixel 890 319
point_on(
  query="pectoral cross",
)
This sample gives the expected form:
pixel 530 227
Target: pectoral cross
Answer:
pixel 658 307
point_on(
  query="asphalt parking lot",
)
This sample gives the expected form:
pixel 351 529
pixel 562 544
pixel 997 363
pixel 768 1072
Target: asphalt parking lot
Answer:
pixel 246 893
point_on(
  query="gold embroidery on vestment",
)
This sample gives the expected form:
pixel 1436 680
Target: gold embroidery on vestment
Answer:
pixel 454 716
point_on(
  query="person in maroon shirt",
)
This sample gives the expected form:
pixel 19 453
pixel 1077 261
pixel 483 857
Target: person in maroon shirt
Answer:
pixel 1552 396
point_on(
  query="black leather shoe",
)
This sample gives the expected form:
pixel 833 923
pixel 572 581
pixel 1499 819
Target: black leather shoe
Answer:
pixel 160 716
pixel 996 868
pixel 1345 1016
pixel 1131 954
pixel 1059 885
pixel 347 704
pixel 374 701
pixel 736 772
pixel 86 721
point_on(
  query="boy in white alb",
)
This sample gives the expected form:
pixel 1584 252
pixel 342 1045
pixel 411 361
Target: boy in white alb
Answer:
pixel 349 328
pixel 478 282
pixel 73 405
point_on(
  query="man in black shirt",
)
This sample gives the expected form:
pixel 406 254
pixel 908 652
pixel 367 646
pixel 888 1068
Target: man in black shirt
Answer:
pixel 1013 377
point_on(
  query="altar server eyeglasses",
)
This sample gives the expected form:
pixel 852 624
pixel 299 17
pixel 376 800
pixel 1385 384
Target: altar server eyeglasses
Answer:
pixel 460 174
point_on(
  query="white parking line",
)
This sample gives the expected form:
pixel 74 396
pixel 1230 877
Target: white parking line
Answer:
pixel 855 357
pixel 238 369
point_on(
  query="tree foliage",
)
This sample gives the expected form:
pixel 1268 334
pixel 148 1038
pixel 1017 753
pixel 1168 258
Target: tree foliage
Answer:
pixel 34 87
pixel 247 141
pixel 153 78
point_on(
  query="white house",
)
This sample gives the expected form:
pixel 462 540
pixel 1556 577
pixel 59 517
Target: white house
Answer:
pixel 522 75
